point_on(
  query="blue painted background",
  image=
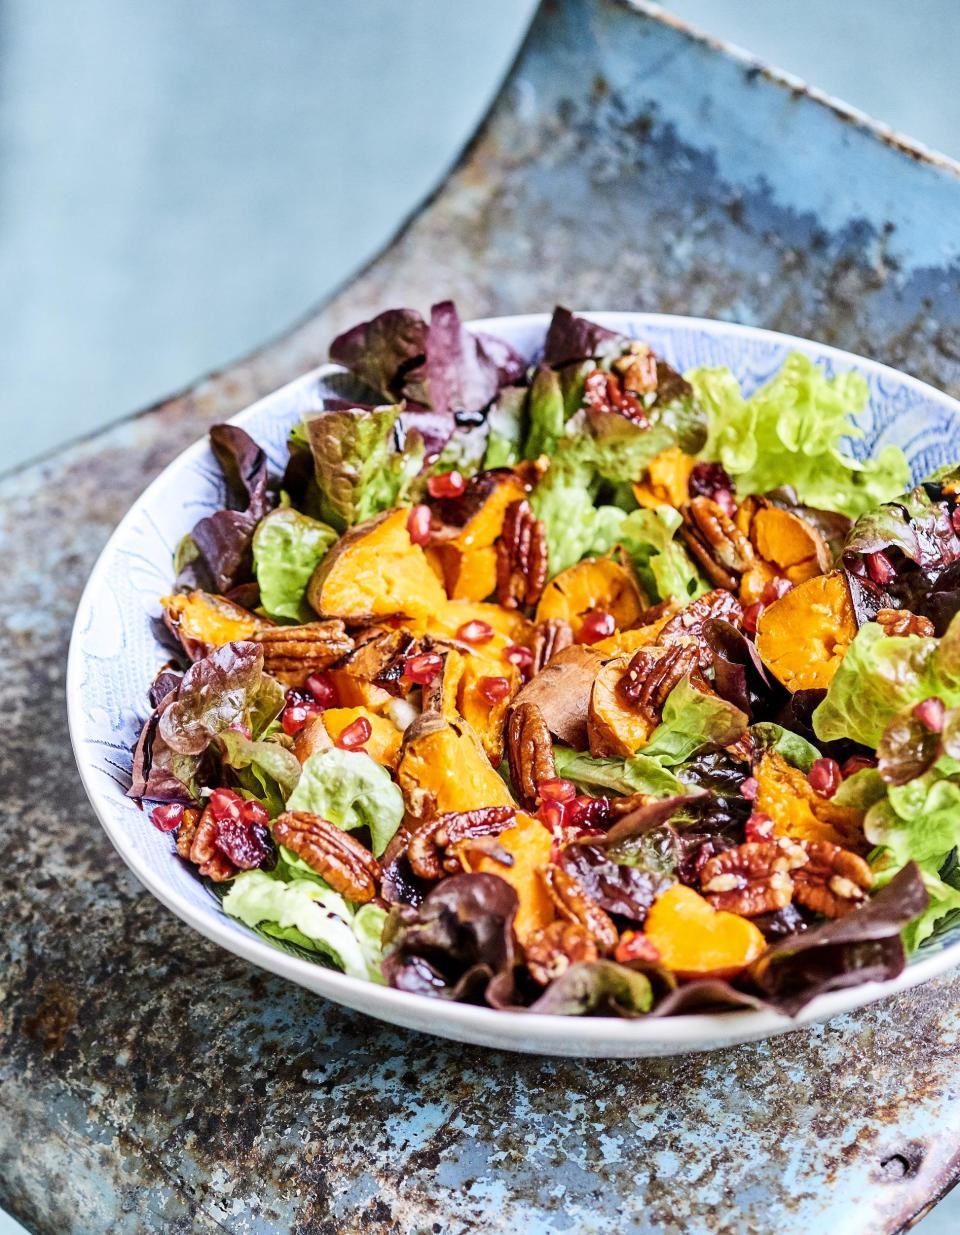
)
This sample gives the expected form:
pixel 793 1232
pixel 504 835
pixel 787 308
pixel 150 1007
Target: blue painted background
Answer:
pixel 178 181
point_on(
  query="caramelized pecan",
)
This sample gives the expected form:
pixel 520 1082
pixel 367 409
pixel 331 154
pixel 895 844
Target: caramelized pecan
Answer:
pixel 689 622
pixel 653 673
pixel 426 850
pixel 833 881
pixel 572 902
pixel 521 557
pixel 292 653
pixel 604 393
pixel 753 878
pixel 903 622
pixel 715 542
pixel 549 637
pixel 529 752
pixel 197 843
pixel 637 369
pixel 349 867
pixel 551 950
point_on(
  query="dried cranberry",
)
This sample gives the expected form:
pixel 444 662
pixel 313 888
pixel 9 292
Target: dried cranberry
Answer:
pixel 475 632
pixel 321 687
pixel 557 790
pixel 418 524
pixel 586 812
pixel 446 484
pixel 166 818
pixel 930 713
pixel 775 588
pixel 751 616
pixel 596 625
pixel 493 689
pixel 879 568
pixel 759 827
pixel 295 715
pixel 781 923
pixel 253 812
pixel 355 735
pixel 225 804
pixel 693 862
pixel 245 844
pixel 824 777
pixel 423 668
pixel 709 480
pixel 522 657
pixel 855 764
pixel 749 788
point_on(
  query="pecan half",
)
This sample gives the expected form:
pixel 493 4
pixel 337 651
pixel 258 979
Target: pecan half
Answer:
pixel 903 622
pixel 196 842
pixel 833 881
pixel 572 902
pixel 529 752
pixel 689 622
pixel 551 950
pixel 715 542
pixel 753 878
pixel 427 847
pixel 349 867
pixel 652 674
pixel 604 393
pixel 521 557
pixel 637 369
pixel 549 637
pixel 292 653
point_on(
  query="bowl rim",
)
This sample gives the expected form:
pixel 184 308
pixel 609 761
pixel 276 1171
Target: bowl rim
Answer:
pixel 444 1018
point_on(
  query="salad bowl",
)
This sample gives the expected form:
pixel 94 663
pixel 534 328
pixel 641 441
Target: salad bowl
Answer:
pixel 114 656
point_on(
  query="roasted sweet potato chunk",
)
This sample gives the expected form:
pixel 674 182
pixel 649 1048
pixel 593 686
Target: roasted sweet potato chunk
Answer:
pixel 455 620
pixel 562 693
pixel 466 574
pixel 614 727
pixel 484 694
pixel 376 570
pixel 695 940
pixel 802 637
pixel 203 621
pixel 595 584
pixel 528 843
pixel 462 551
pixel 667 480
pixel 797 811
pixel 443 768
pixel 383 745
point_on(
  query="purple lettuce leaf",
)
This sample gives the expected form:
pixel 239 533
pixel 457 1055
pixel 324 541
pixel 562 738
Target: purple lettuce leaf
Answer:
pixel 597 988
pixel 571 339
pixel 739 674
pixel 382 351
pixel 627 891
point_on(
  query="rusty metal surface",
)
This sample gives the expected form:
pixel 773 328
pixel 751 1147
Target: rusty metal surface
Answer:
pixel 148 1082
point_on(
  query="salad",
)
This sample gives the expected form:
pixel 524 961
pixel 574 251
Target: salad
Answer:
pixel 579 686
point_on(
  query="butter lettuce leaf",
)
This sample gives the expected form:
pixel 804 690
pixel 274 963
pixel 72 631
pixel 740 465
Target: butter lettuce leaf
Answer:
pixel 692 720
pixel 287 547
pixel 639 774
pixel 791 432
pixel 351 791
pixel 265 770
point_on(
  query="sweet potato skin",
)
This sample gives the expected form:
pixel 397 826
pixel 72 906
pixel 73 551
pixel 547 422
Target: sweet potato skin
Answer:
pixel 593 584
pixel 803 636
pixel 375 570
pixel 443 768
pixel 562 693
pixel 203 621
pixel 613 727
pixel 529 843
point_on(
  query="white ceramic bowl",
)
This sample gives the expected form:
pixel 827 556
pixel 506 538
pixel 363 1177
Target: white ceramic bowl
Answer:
pixel 114 656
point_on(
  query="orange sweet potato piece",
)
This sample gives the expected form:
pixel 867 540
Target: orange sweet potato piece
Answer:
pixel 613 727
pixel 529 844
pixel 373 672
pixel 383 745
pixel 802 637
pixel 794 546
pixel 475 519
pixel 486 718
pixel 509 627
pixel 562 693
pixel 797 811
pixel 443 768
pixel 595 583
pixel 466 574
pixel 695 940
pixel 667 480
pixel 203 621
pixel 637 637
pixel 375 570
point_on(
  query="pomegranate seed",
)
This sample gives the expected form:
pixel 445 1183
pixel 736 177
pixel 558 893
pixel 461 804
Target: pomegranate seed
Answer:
pixel 751 616
pixel 475 632
pixel 635 946
pixel 522 657
pixel 493 689
pixel 225 804
pixel 855 764
pixel 930 713
pixel 295 715
pixel 759 827
pixel 355 734
pixel 321 686
pixel 423 668
pixel 955 519
pixel 245 844
pixel 166 818
pixel 749 788
pixel 253 812
pixel 596 625
pixel 774 589
pixel 710 480
pixel 552 815
pixel 557 790
pixel 824 777
pixel 418 524
pixel 446 484
pixel 879 568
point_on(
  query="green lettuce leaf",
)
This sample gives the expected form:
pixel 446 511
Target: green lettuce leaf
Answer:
pixel 547 414
pixel 918 820
pixel 506 422
pixel 311 917
pixel 348 789
pixel 564 501
pixel 790 746
pixel 790 432
pixel 287 547
pixel 639 774
pixel 690 721
pixel 660 562
pixel 264 770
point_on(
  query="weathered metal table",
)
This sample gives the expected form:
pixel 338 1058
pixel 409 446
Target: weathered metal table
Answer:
pixel 148 1082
